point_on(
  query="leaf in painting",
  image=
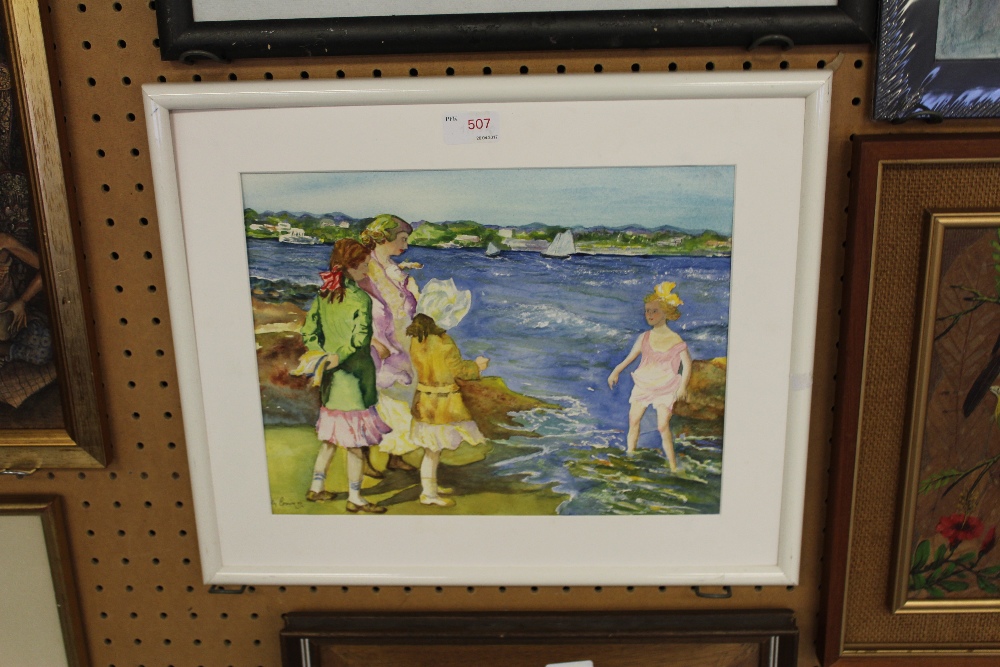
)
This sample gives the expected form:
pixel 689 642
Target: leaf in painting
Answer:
pixel 920 555
pixel 953 441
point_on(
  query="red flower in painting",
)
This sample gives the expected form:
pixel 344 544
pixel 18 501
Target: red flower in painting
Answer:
pixel 959 527
pixel 988 542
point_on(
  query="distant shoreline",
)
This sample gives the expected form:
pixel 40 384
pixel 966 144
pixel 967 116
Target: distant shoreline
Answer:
pixel 629 252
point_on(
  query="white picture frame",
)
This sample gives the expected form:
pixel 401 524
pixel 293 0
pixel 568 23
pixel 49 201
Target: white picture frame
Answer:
pixel 773 126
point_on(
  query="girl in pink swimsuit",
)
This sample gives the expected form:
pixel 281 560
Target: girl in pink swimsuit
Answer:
pixel 663 373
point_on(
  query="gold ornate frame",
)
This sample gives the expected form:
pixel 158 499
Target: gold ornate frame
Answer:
pixel 939 223
pixel 82 444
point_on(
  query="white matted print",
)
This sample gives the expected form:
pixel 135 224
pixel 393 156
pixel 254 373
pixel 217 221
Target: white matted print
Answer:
pixel 39 609
pixel 32 634
pixel 701 193
pixel 269 10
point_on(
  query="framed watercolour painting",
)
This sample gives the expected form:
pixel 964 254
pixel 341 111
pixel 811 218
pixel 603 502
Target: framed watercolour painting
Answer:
pixel 191 29
pixel 938 59
pixel 580 639
pixel 439 305
pixel 49 411
pixel 911 478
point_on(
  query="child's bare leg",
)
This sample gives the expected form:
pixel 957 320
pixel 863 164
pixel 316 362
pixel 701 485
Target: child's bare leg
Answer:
pixel 663 425
pixel 635 413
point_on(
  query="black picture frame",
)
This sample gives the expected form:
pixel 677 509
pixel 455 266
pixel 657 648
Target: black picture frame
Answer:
pixel 912 82
pixel 182 38
pixel 325 639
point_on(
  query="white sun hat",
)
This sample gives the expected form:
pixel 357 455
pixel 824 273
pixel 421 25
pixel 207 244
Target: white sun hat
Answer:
pixel 444 303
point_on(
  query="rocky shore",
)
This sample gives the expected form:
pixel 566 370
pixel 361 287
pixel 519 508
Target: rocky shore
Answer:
pixel 288 400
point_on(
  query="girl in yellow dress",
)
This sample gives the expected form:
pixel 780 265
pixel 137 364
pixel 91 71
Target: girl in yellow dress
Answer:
pixel 440 419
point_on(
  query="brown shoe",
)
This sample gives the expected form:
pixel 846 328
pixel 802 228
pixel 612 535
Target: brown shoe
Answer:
pixel 370 471
pixel 370 508
pixel 396 462
pixel 319 496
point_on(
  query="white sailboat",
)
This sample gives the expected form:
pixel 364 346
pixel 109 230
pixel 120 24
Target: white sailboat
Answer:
pixel 298 237
pixel 492 250
pixel 562 246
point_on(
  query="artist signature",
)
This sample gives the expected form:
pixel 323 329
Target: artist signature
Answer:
pixel 296 504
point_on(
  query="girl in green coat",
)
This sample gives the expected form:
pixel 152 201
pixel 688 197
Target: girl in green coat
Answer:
pixel 338 335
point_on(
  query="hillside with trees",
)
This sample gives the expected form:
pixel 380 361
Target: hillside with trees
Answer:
pixel 329 227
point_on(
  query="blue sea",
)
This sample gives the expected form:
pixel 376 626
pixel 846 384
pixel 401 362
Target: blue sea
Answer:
pixel 554 329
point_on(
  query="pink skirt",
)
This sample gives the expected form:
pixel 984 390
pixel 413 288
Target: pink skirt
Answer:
pixel 355 428
pixel 654 387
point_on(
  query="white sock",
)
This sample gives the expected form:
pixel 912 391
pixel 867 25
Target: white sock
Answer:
pixel 428 473
pixel 323 458
pixel 355 472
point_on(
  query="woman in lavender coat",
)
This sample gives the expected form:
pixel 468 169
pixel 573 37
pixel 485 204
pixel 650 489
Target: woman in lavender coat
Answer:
pixel 394 302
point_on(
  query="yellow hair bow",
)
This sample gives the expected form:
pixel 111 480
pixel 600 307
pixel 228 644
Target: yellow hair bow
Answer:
pixel 665 293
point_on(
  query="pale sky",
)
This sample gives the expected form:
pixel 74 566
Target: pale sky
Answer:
pixel 693 198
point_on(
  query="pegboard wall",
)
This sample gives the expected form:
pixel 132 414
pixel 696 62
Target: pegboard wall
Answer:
pixel 131 526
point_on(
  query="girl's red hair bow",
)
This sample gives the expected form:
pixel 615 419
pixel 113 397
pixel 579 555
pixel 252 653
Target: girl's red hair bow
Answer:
pixel 332 280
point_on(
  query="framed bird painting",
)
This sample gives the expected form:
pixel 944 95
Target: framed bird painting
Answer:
pixel 947 555
pixel 911 568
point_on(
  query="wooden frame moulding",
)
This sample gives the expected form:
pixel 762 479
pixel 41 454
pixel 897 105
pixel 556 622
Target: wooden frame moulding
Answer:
pixel 81 442
pixel 874 405
pixel 49 509
pixel 722 638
